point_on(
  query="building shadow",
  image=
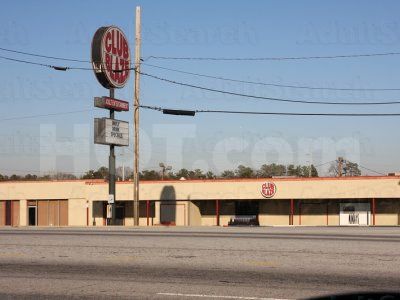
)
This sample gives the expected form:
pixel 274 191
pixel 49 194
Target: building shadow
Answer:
pixel 168 206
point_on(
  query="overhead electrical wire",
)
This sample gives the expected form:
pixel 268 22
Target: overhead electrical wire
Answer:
pixel 356 55
pixel 58 68
pixel 263 97
pixel 269 84
pixel 63 68
pixel 47 56
pixel 161 109
pixel 46 115
pixel 380 173
pixel 43 56
pixel 273 58
pixel 202 75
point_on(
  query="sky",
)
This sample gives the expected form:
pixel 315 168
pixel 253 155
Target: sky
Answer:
pixel 63 140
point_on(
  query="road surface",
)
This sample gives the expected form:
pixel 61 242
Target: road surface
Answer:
pixel 196 263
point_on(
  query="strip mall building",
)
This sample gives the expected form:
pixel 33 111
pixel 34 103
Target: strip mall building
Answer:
pixel 280 201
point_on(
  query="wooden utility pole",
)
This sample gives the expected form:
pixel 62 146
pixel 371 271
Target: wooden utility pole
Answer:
pixel 340 166
pixel 136 119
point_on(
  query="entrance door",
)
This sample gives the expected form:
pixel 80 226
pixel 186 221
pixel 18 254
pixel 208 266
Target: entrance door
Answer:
pixel 8 213
pixel 32 215
pixel 246 208
pixel 246 213
pixel 354 214
pixel 119 214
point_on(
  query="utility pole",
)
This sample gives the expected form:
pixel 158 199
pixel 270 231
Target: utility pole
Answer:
pixel 164 168
pixel 136 118
pixel 340 166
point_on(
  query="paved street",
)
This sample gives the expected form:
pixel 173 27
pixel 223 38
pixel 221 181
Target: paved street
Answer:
pixel 193 263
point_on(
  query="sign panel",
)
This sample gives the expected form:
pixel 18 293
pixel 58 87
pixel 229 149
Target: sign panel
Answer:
pixel 268 189
pixel 111 199
pixel 111 103
pixel 111 132
pixel 111 58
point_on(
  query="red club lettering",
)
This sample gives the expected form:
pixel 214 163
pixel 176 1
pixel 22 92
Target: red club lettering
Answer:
pixel 108 42
pixel 126 49
pixel 114 49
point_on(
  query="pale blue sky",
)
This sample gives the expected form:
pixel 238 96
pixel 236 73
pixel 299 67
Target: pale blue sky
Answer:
pixel 198 29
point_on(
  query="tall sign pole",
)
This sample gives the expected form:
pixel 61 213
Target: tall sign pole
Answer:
pixel 111 171
pixel 136 118
pixel 111 65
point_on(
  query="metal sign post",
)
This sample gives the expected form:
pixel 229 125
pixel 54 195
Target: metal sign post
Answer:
pixel 111 171
pixel 111 60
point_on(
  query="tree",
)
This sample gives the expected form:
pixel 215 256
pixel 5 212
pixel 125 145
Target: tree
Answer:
pixel 268 171
pixel 101 173
pixel 351 169
pixel 149 175
pixel 228 174
pixel 244 172
pixel 89 175
pixel 314 172
pixel 172 175
pixel 63 176
pixel 182 173
pixel 196 174
pixel 30 177
pixel 210 175
pixel 348 169
pixel 305 171
pixel 293 170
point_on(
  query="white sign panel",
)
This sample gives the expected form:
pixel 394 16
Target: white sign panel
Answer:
pixel 111 132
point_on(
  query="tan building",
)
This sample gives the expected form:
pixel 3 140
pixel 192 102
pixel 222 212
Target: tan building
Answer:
pixel 271 201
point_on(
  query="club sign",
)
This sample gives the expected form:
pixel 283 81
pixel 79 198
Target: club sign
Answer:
pixel 111 57
pixel 268 189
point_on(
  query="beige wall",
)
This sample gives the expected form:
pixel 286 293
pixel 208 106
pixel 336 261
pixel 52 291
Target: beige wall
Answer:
pixel 274 211
pixel 23 218
pixel 326 188
pixel 77 212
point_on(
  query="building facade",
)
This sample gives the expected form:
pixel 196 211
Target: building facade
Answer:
pixel 342 201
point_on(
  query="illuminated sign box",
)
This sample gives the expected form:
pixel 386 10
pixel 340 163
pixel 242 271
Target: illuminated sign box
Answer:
pixel 111 132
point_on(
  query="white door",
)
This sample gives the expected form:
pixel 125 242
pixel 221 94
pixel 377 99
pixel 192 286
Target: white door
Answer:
pixel 354 214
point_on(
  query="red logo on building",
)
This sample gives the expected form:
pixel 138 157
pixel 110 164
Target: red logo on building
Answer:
pixel 268 189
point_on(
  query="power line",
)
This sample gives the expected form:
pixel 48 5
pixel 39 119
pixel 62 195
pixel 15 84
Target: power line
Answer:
pixel 64 68
pixel 371 170
pixel 46 115
pixel 265 98
pixel 269 84
pixel 47 56
pixel 272 58
pixel 161 109
pixel 325 163
pixel 58 68
pixel 215 58
pixel 25 61
pixel 44 56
